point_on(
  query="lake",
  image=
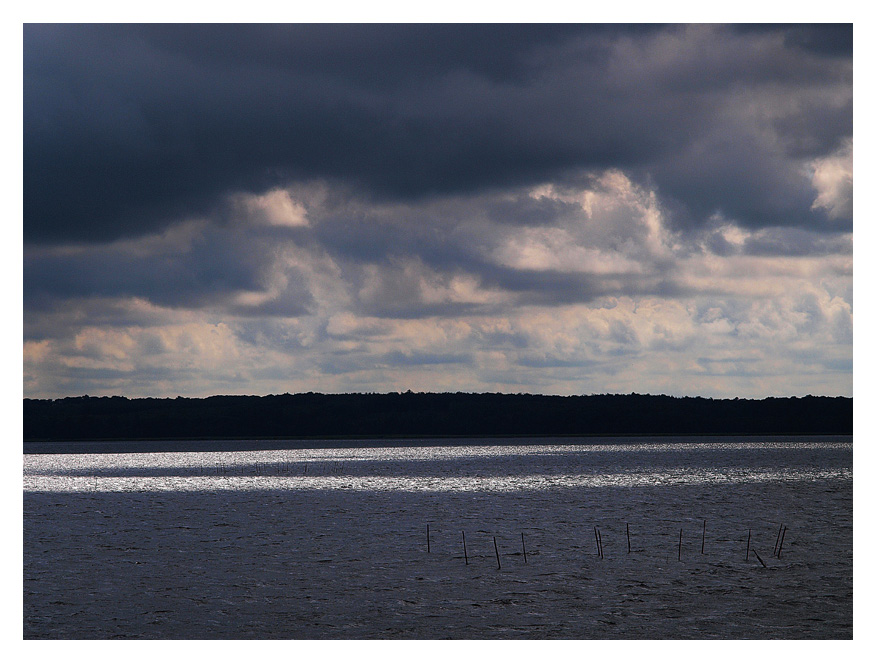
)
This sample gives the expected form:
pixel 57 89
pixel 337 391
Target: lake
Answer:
pixel 683 538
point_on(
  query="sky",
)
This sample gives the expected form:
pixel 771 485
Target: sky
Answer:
pixel 554 209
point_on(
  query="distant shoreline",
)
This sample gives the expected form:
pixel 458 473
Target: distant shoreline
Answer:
pixel 394 416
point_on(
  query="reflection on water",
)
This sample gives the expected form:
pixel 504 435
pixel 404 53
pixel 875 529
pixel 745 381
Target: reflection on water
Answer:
pixel 441 469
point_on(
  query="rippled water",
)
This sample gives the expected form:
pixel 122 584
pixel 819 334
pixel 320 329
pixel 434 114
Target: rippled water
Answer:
pixel 331 543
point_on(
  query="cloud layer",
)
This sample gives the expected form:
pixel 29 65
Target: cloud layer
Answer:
pixel 556 209
pixel 548 289
pixel 129 128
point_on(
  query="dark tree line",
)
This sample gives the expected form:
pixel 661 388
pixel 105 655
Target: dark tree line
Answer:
pixel 427 414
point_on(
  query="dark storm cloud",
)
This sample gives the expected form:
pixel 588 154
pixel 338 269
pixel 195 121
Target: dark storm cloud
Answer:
pixel 46 317
pixel 128 129
pixel 450 233
pixel 796 242
pixel 829 39
pixel 551 287
pixel 209 273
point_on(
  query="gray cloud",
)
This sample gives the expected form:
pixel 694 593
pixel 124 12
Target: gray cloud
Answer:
pixel 400 358
pixel 796 242
pixel 559 209
pixel 128 129
pixel 228 270
pixel 448 257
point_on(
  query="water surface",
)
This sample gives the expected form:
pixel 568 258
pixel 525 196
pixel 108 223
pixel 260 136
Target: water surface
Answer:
pixel 331 542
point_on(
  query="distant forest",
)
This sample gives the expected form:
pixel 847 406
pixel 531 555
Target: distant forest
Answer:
pixel 426 414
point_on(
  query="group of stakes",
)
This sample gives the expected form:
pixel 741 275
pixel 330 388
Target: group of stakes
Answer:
pixel 598 538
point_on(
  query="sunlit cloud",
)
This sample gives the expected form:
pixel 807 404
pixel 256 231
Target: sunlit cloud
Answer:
pixel 275 207
pixel 833 179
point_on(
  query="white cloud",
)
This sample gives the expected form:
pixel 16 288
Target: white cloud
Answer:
pixel 833 180
pixel 275 207
pixel 556 249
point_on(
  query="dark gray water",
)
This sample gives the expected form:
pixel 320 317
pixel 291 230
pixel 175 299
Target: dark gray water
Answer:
pixel 331 542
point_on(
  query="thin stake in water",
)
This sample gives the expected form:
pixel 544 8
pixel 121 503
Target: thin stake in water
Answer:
pixel 782 539
pixel 495 548
pixel 427 538
pixel 597 540
pixel 749 539
pixel 524 547
pixel 628 537
pixel 465 555
pixel 703 537
pixel 759 558
pixel 777 543
pixel 680 544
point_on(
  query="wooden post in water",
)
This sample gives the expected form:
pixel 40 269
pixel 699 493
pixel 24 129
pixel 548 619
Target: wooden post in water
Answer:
pixel 524 548
pixel 597 540
pixel 495 548
pixel 782 539
pixel 465 555
pixel 748 539
pixel 759 558
pixel 427 538
pixel 777 543
pixel 703 537
pixel 680 544
pixel 628 537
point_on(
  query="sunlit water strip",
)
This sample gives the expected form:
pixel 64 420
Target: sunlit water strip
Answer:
pixel 77 484
pixel 36 462
pixel 264 470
